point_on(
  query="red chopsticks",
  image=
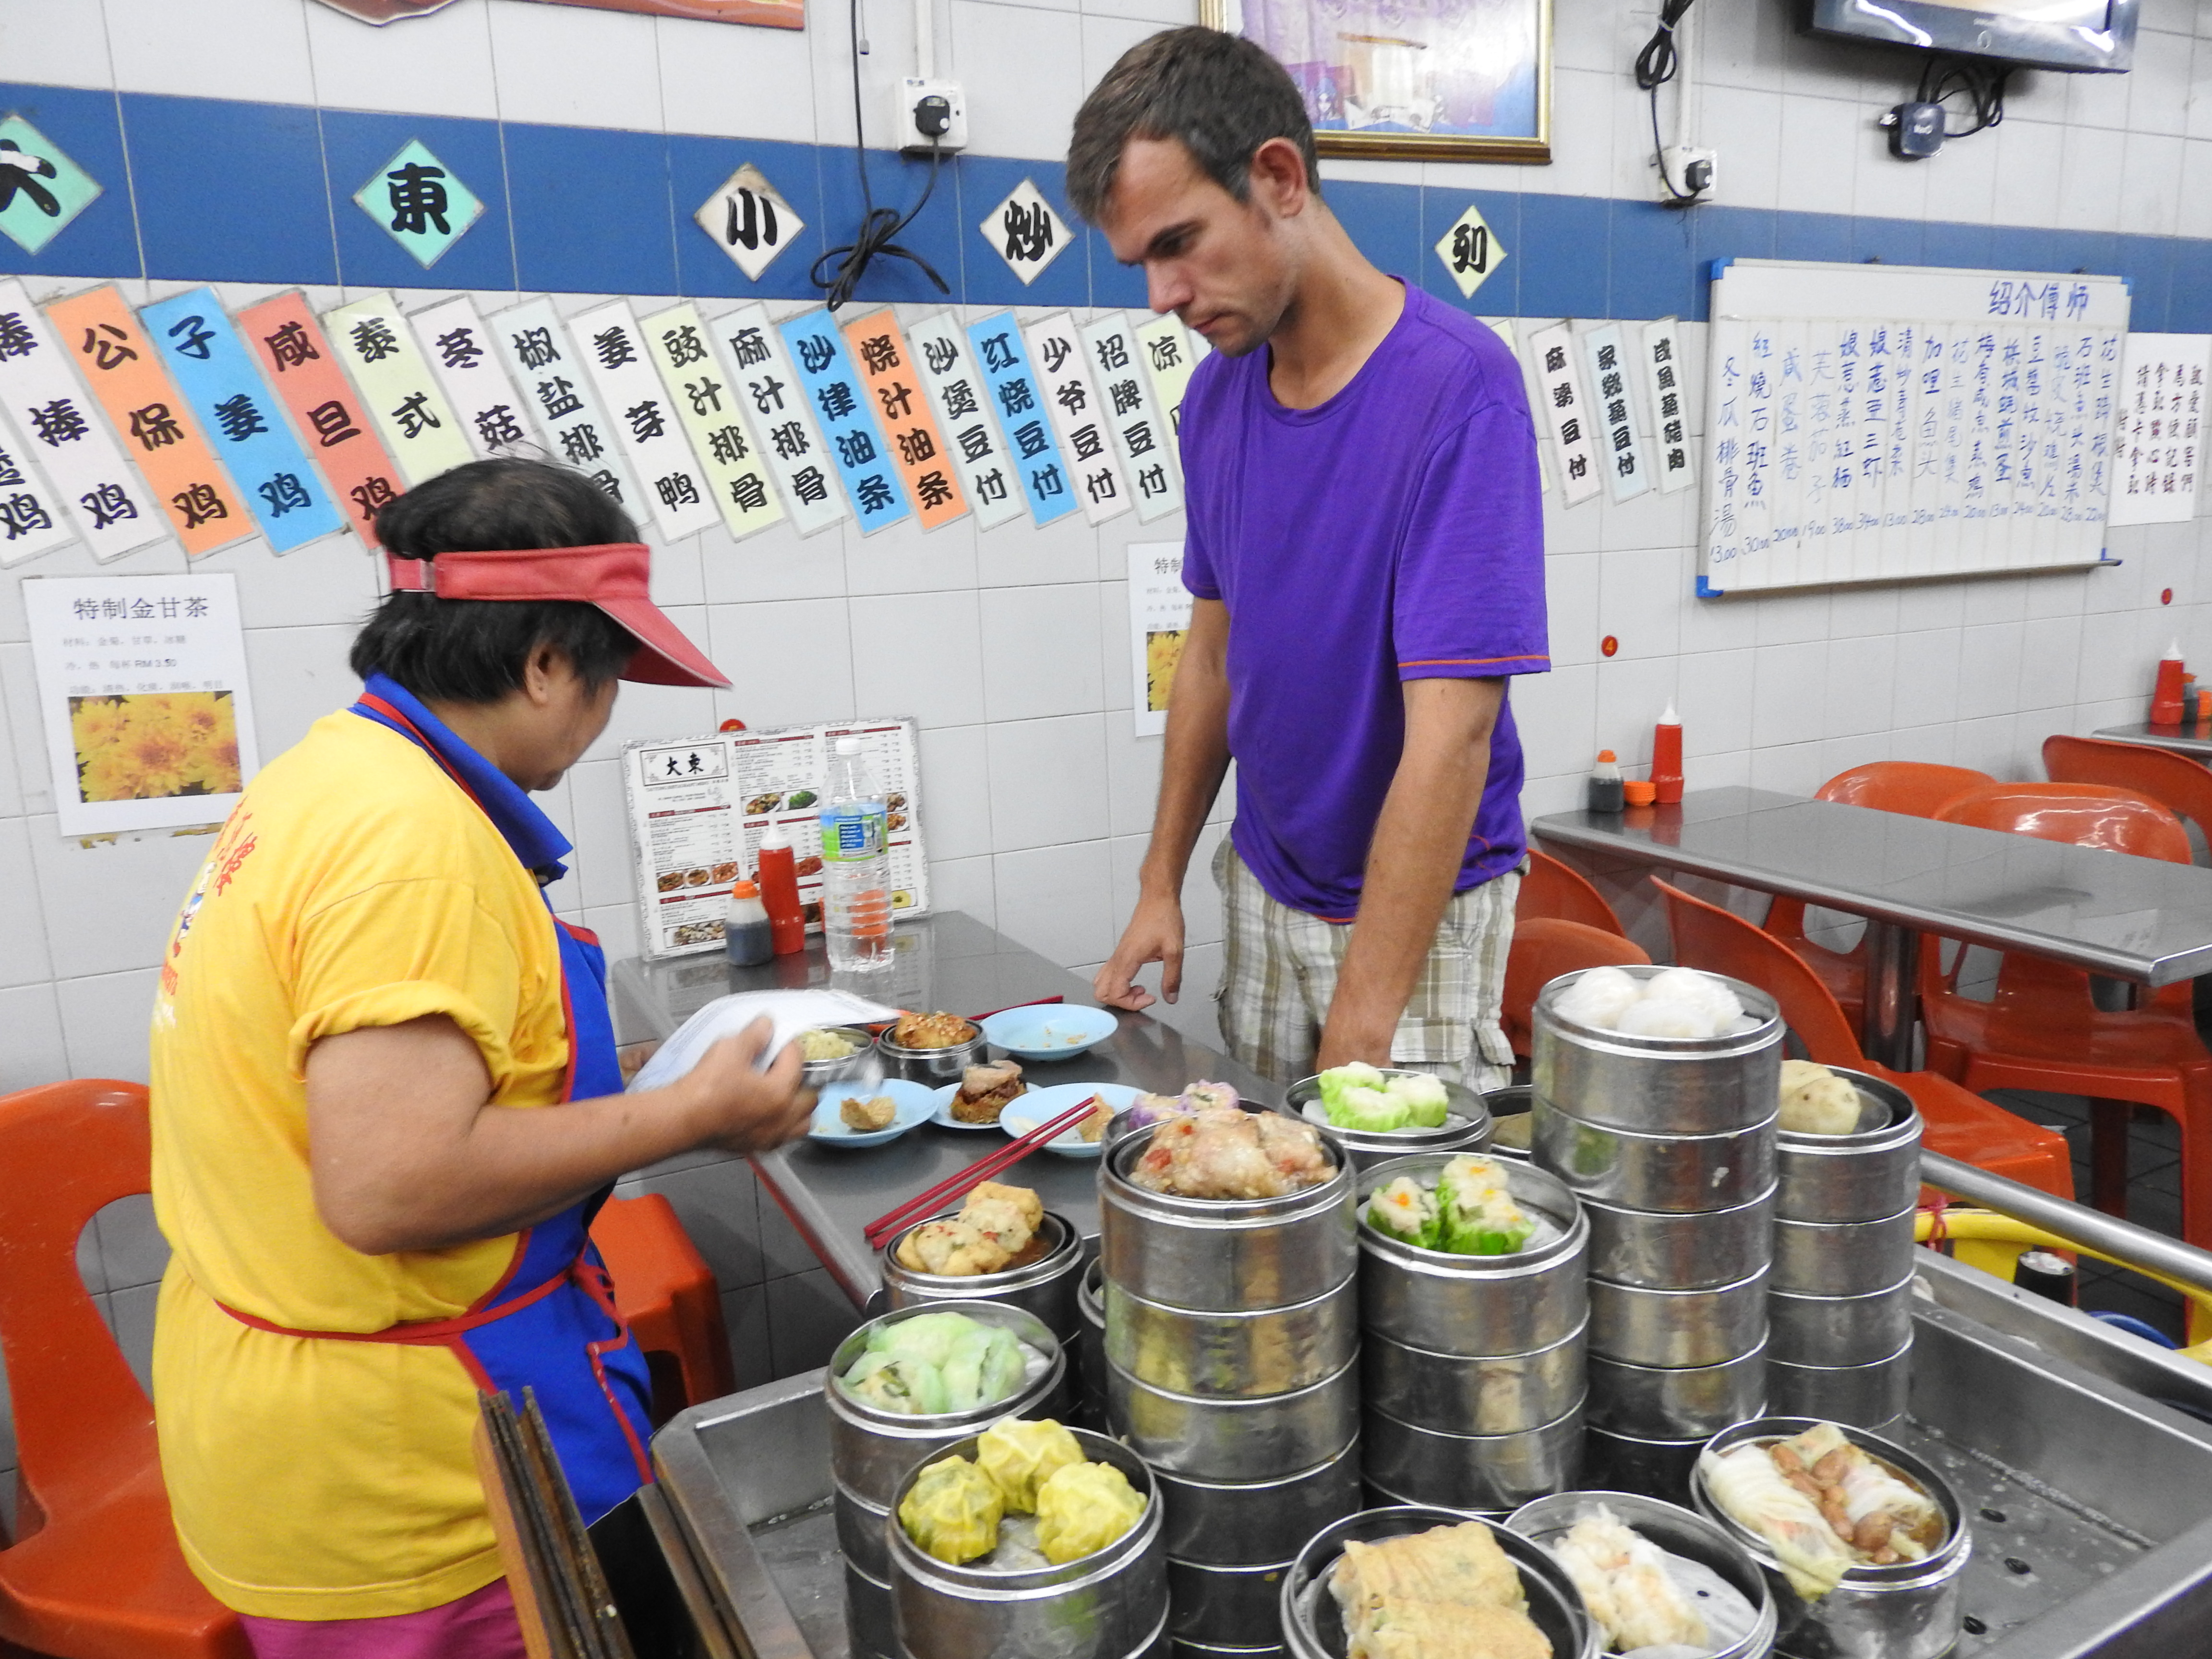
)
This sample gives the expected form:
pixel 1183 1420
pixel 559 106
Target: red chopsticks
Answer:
pixel 965 1181
pixel 1034 1002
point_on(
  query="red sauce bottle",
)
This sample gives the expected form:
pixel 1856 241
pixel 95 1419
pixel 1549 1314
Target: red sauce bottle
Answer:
pixel 779 890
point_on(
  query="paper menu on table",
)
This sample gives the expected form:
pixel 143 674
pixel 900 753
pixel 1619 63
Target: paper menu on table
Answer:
pixel 698 806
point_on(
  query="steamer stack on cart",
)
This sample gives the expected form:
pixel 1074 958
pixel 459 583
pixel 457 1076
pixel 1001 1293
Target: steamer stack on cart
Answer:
pixel 1840 1297
pixel 1231 1341
pixel 1670 1143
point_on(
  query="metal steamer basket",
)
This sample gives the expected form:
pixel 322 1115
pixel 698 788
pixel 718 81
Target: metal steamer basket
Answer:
pixel 1674 1529
pixel 1218 1606
pixel 1910 1611
pixel 1677 1403
pixel 1313 1627
pixel 934 1066
pixel 1235 1439
pixel 820 1074
pixel 1871 1396
pixel 1466 1127
pixel 1107 1605
pixel 1235 1523
pixel 1862 1176
pixel 1840 1330
pixel 1486 1474
pixel 1241 1355
pixel 1046 1287
pixel 1655 1467
pixel 1659 1086
pixel 1509 1121
pixel 1090 1350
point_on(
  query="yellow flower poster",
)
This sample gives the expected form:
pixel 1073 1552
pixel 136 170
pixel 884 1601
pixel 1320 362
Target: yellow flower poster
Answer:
pixel 141 684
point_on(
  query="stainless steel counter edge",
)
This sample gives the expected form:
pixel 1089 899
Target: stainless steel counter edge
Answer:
pixel 2125 1242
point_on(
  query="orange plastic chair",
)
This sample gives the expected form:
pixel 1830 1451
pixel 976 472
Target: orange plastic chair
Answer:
pixel 2174 781
pixel 2042 1031
pixel 1956 1123
pixel 667 1295
pixel 1556 890
pixel 1544 947
pixel 1915 787
pixel 94 1571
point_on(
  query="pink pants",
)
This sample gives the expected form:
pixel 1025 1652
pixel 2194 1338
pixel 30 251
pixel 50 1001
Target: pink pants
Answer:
pixel 480 1625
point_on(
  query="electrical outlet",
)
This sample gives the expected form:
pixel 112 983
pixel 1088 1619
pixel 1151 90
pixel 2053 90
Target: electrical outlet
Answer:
pixel 1692 172
pixel 928 114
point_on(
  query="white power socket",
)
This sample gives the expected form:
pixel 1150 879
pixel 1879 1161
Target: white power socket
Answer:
pixel 1691 171
pixel 907 115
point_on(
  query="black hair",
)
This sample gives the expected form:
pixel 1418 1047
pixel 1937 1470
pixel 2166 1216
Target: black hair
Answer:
pixel 476 650
pixel 1222 95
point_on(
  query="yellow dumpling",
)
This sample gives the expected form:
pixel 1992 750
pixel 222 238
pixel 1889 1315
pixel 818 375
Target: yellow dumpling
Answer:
pixel 1083 1508
pixel 1020 1457
pixel 952 1511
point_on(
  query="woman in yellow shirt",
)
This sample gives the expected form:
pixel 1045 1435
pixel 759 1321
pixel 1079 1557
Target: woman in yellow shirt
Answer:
pixel 386 1102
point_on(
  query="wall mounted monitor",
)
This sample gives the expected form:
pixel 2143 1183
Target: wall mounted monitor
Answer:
pixel 2095 35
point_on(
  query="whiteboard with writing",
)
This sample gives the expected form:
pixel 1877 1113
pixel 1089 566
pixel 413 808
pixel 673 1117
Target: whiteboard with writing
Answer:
pixel 1888 422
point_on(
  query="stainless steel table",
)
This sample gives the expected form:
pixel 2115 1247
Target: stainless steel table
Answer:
pixel 2135 919
pixel 2191 737
pixel 952 962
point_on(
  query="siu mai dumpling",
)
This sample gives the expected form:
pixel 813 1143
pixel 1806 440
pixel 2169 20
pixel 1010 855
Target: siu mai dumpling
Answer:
pixel 952 1511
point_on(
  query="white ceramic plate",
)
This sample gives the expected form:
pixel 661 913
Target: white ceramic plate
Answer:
pixel 1050 1031
pixel 914 1104
pixel 1043 1105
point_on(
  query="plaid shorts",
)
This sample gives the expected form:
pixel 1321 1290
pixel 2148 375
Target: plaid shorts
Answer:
pixel 1278 977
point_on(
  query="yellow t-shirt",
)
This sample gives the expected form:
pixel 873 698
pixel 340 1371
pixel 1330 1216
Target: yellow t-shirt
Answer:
pixel 355 886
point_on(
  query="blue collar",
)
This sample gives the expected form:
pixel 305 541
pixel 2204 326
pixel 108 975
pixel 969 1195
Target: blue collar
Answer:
pixel 535 839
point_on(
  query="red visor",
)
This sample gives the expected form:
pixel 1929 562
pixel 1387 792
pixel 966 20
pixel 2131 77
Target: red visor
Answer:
pixel 613 576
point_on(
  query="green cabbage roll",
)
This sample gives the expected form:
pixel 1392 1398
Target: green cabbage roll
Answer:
pixel 985 1364
pixel 1426 1103
pixel 889 1384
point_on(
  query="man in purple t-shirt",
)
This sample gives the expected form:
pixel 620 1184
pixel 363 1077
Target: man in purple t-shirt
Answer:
pixel 1365 552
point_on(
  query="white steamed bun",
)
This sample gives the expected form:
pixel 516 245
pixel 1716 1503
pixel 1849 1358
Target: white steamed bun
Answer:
pixel 1816 1101
pixel 1599 997
pixel 1666 1017
pixel 1699 990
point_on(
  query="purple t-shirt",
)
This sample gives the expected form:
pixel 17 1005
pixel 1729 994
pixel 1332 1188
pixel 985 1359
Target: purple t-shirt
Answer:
pixel 1396 533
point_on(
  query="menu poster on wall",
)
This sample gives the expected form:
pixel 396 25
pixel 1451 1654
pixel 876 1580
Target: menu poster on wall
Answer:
pixel 698 806
pixel 1159 618
pixel 143 695
pixel 2159 443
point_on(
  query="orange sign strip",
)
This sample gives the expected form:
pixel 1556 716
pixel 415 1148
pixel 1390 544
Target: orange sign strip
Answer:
pixel 901 408
pixel 159 432
pixel 296 357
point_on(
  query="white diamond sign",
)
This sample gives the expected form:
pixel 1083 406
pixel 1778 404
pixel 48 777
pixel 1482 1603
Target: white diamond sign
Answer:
pixel 1469 251
pixel 750 220
pixel 1025 231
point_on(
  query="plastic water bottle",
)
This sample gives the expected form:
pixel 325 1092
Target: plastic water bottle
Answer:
pixel 856 895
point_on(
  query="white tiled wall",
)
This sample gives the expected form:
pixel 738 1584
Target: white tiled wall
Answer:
pixel 1009 647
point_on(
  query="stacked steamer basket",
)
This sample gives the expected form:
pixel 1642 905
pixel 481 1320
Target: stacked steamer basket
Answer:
pixel 1473 1365
pixel 871 1452
pixel 1231 1341
pixel 1049 1286
pixel 1669 1142
pixel 1840 1298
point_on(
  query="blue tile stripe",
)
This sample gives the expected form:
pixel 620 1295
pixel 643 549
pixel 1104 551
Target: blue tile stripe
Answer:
pixel 581 210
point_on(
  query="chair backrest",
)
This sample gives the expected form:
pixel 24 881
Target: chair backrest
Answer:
pixel 1553 890
pixel 2173 780
pixel 1544 947
pixel 1721 942
pixel 1916 788
pixel 68 1149
pixel 2083 814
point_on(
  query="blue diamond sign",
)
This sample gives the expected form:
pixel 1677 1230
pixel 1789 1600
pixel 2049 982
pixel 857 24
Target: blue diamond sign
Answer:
pixel 41 189
pixel 420 203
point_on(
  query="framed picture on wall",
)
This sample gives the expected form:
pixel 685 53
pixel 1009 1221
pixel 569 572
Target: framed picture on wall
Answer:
pixel 1411 79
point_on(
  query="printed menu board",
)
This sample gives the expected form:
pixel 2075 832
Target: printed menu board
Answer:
pixel 698 806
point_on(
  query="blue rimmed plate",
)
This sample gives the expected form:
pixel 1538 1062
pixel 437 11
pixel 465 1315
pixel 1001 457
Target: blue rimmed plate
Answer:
pixel 1043 1105
pixel 914 1105
pixel 1051 1031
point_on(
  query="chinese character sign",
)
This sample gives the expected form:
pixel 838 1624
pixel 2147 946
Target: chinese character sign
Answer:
pixel 893 379
pixel 1172 352
pixel 847 407
pixel 143 696
pixel 1666 386
pixel 1576 432
pixel 750 220
pixel 996 350
pixel 1024 232
pixel 495 418
pixel 378 351
pixel 552 377
pixel 302 370
pixel 32 518
pixel 161 433
pixel 60 429
pixel 419 203
pixel 962 399
pixel 1141 441
pixel 608 340
pixel 1621 447
pixel 2159 442
pixel 284 492
pixel 1064 384
pixel 711 411
pixel 41 189
pixel 1470 250
pixel 755 367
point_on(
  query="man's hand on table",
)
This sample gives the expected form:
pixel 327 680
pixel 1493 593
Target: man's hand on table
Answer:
pixel 738 1108
pixel 1154 934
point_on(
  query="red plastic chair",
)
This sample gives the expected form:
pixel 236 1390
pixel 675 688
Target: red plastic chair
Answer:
pixel 95 1572
pixel 1544 947
pixel 1561 893
pixel 667 1295
pixel 2042 1031
pixel 2174 781
pixel 1914 787
pixel 1956 1123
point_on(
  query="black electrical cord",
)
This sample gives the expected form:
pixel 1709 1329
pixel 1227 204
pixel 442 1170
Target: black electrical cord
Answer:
pixel 1656 65
pixel 878 225
pixel 1942 77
